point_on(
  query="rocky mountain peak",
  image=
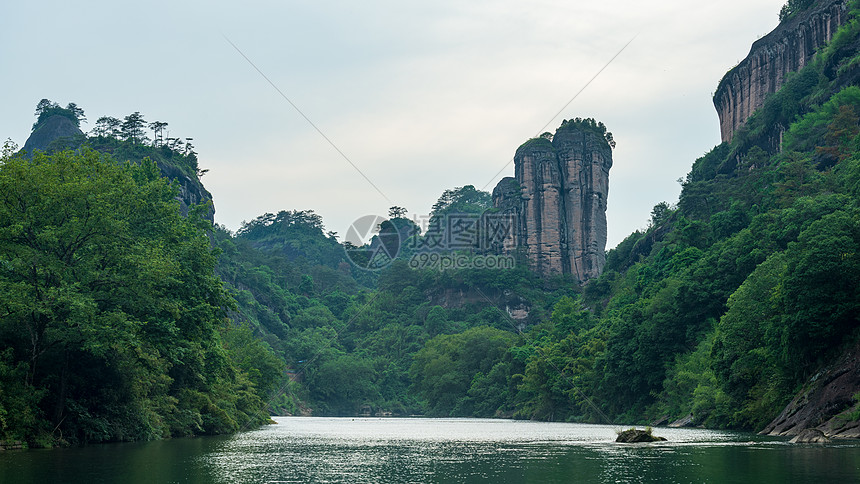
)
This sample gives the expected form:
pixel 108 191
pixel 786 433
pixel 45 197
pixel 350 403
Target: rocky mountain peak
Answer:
pixel 55 128
pixel 558 195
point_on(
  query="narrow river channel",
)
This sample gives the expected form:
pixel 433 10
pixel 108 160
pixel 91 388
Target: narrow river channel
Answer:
pixel 406 450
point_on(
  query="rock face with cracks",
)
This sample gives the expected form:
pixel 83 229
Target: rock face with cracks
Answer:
pixel 786 49
pixel 557 202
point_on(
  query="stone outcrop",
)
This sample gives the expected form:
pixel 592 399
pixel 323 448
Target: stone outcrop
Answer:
pixel 558 201
pixel 826 403
pixel 635 436
pixel 810 436
pixel 458 297
pixel 54 129
pixel 191 190
pixel 786 49
pixel 683 422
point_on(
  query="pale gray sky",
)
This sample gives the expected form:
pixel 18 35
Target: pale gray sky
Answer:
pixel 420 96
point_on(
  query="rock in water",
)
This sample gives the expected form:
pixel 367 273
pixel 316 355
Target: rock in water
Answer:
pixel 810 436
pixel 632 436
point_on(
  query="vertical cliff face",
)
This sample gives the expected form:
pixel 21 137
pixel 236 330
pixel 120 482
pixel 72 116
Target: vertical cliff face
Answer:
pixel 787 49
pixel 55 128
pixel 559 195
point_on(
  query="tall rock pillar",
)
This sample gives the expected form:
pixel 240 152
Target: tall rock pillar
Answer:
pixel 563 185
pixel 585 159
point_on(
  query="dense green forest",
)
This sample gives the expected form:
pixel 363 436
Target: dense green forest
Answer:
pixel 721 309
pixel 114 325
pixel 120 319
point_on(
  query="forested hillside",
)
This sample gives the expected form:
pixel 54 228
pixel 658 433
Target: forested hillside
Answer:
pixel 721 309
pixel 113 325
pixel 125 317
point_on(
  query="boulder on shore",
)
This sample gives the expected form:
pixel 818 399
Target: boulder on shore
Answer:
pixel 683 422
pixel 632 436
pixel 826 402
pixel 810 436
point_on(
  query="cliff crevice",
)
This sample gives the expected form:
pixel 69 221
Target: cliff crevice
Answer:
pixel 558 196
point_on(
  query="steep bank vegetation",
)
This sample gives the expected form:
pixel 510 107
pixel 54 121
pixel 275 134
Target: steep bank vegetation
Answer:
pixel 122 320
pixel 112 322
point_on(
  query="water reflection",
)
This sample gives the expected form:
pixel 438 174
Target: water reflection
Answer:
pixel 175 460
pixel 473 450
pixel 440 450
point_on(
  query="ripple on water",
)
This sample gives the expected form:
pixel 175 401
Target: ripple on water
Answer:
pixel 458 450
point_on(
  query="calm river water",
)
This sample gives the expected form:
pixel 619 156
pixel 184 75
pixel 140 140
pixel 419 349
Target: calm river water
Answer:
pixel 406 450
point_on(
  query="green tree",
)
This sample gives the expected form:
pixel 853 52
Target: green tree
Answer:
pixel 110 304
pixel 46 109
pixel 660 214
pixel 133 128
pixel 444 369
pixel 107 126
pixel 396 212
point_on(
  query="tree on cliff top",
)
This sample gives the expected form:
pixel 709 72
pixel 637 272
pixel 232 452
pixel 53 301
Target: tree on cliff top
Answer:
pixel 589 124
pixel 46 109
pixel 792 7
pixel 133 127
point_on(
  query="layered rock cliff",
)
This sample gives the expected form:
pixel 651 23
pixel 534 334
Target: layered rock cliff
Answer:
pixel 786 49
pixel 558 196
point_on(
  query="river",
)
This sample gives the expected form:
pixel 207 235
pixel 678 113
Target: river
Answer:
pixel 406 450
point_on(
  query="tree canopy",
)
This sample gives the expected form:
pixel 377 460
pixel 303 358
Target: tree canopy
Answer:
pixel 111 314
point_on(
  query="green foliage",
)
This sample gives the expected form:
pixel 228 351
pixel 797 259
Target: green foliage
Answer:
pixel 293 234
pixel 320 320
pixel 792 7
pixel 660 214
pixel 691 388
pixel 589 124
pixel 773 264
pixel 460 200
pixel 449 366
pixel 110 307
pixel 125 140
pixel 47 109
pixel 559 363
pixel 539 142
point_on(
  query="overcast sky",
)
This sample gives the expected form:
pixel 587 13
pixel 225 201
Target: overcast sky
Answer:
pixel 421 97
